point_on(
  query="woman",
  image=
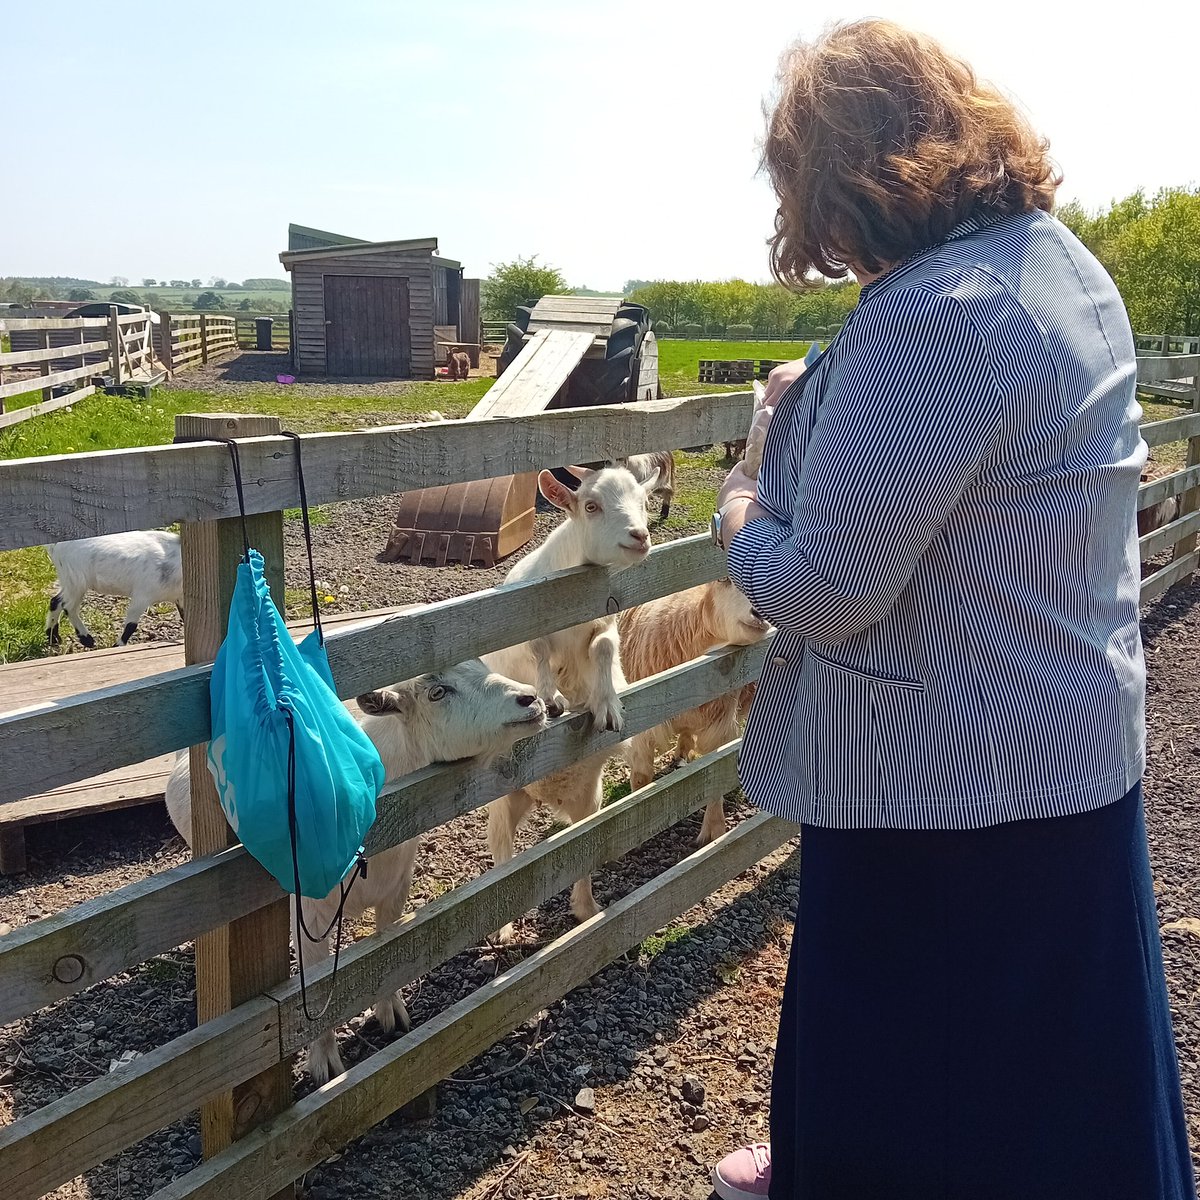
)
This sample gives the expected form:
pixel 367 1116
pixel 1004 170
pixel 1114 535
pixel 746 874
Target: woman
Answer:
pixel 943 534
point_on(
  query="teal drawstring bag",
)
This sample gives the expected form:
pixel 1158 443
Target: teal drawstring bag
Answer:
pixel 296 775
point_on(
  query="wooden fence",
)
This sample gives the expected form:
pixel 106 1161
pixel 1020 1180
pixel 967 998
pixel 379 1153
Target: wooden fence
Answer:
pixel 235 1066
pixel 71 354
pixel 193 339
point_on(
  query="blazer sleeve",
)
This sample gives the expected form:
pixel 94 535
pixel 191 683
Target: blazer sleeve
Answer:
pixel 909 418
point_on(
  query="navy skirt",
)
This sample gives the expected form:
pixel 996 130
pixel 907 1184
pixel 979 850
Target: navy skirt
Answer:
pixel 979 1015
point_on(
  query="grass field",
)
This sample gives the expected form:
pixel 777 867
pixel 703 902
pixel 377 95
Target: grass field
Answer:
pixel 172 299
pixel 679 360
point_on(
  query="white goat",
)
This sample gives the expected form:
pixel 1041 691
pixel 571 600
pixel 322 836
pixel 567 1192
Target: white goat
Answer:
pixel 659 465
pixel 462 712
pixel 673 630
pixel 144 565
pixel 580 667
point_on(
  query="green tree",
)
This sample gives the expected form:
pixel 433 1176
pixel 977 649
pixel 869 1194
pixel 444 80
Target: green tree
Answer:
pixel 207 301
pixel 81 294
pixel 16 291
pixel 149 283
pixel 518 282
pixel 1154 260
pixel 125 296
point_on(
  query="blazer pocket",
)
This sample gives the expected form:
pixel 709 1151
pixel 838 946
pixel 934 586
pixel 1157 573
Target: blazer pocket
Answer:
pixel 871 676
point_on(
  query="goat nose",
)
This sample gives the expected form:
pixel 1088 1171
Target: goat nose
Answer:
pixel 527 701
pixel 641 536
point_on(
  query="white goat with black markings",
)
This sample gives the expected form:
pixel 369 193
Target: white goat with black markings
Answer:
pixel 144 565
pixel 466 711
pixel 577 668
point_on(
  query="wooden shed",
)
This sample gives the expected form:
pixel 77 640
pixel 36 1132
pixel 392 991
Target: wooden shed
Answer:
pixel 376 308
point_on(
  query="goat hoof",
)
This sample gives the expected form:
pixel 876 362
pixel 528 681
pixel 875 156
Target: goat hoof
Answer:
pixel 324 1063
pixel 391 1013
pixel 707 835
pixel 586 910
pixel 89 642
pixel 554 709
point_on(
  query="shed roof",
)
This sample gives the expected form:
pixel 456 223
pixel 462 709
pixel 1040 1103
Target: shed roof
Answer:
pixel 304 237
pixel 353 247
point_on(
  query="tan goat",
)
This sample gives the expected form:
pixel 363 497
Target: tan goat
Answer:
pixel 459 363
pixel 673 630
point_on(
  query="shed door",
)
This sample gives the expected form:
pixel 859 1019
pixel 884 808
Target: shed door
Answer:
pixel 366 326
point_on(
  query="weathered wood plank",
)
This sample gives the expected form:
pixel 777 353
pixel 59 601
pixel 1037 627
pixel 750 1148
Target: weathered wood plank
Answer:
pixel 26 384
pixel 88 1125
pixel 1189 502
pixel 12 324
pixel 37 1154
pixel 17 415
pixel 1154 585
pixel 55 498
pixel 347 1106
pixel 534 377
pixel 13 358
pixel 62 742
pixel 113 932
pixel 1164 537
pixel 1176 484
pixel 1160 368
pixel 1173 429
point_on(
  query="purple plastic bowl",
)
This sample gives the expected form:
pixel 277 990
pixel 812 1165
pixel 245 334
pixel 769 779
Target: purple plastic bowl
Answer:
pixel 285 378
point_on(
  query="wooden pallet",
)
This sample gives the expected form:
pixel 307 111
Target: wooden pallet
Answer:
pixel 736 370
pixel 40 680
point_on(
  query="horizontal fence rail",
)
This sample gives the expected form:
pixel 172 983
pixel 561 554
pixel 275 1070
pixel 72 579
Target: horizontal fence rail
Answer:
pixel 60 497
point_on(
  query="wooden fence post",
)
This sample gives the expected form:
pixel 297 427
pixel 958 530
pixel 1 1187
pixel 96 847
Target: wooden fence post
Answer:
pixel 114 344
pixel 164 342
pixel 1190 500
pixel 243 959
pixel 44 343
pixel 203 338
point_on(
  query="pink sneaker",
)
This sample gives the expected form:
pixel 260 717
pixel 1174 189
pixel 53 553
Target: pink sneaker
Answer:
pixel 745 1174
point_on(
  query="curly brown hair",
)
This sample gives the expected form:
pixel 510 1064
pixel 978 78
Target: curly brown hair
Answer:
pixel 881 142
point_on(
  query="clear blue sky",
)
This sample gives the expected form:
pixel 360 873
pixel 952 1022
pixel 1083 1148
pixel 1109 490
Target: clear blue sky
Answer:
pixel 615 139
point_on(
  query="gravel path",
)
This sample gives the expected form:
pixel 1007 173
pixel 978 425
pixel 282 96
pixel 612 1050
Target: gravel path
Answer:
pixel 675 1042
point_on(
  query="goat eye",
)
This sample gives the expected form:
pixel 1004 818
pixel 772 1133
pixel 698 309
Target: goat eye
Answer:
pixel 436 692
pixel 591 506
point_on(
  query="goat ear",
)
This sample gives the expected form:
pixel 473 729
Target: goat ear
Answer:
pixel 384 700
pixel 651 483
pixel 557 493
pixel 579 472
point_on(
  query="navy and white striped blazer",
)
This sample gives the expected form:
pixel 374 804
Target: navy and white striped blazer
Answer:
pixel 951 553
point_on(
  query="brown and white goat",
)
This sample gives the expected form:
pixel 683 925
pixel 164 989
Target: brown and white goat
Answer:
pixel 459 364
pixel 462 712
pixel 673 630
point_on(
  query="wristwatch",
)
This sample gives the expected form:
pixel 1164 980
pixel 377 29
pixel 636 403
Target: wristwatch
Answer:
pixel 717 519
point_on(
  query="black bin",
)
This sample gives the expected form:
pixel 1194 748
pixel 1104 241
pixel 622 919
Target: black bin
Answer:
pixel 262 333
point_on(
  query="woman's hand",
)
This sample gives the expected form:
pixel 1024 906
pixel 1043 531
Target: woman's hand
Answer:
pixel 781 378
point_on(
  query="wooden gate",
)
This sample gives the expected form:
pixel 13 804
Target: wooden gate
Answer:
pixel 366 326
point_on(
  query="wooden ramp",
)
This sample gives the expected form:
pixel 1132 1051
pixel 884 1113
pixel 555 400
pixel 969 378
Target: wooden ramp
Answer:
pixel 487 519
pixel 39 680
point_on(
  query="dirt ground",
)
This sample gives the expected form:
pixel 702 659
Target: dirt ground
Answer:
pixel 675 1041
